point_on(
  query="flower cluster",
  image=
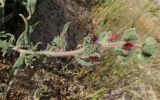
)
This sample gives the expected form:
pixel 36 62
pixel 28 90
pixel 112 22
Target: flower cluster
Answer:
pixel 94 38
pixel 127 46
pixel 124 44
pixel 111 38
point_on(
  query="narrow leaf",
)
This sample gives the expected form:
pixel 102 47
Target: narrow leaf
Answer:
pixel 23 39
pixel 19 62
pixel 59 41
pixel 31 7
pixel 84 63
pixel 65 28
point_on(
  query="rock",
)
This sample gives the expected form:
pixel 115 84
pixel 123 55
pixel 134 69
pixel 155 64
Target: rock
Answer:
pixel 53 14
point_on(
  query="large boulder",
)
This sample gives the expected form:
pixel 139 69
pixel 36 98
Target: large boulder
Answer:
pixel 53 14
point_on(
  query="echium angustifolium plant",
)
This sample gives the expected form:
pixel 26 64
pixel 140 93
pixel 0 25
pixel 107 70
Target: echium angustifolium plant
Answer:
pixel 88 55
pixel 125 45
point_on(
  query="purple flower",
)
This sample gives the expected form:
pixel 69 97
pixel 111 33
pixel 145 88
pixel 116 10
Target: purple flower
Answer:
pixel 127 46
pixel 92 58
pixel 113 36
pixel 94 38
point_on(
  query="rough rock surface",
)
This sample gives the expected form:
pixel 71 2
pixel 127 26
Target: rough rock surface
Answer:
pixel 53 14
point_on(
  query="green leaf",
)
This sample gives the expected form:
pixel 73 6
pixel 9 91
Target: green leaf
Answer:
pixel 19 62
pixel 89 50
pixel 33 47
pixel 6 44
pixel 66 26
pixel 23 39
pixel 59 41
pixel 2 3
pixel 130 35
pixel 84 63
pixel 118 49
pixel 149 46
pixel 11 39
pixel 104 37
pixel 32 27
pixel 5 48
pixel 87 41
pixel 51 47
pixel 31 6
pixel 29 60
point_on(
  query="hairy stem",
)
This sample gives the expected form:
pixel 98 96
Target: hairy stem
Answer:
pixel 50 53
pixel 103 45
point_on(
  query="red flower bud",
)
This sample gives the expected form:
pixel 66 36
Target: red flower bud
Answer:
pixel 113 36
pixel 127 46
pixel 92 58
pixel 94 38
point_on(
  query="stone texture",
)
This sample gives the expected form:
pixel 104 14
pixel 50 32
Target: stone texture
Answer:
pixel 53 14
